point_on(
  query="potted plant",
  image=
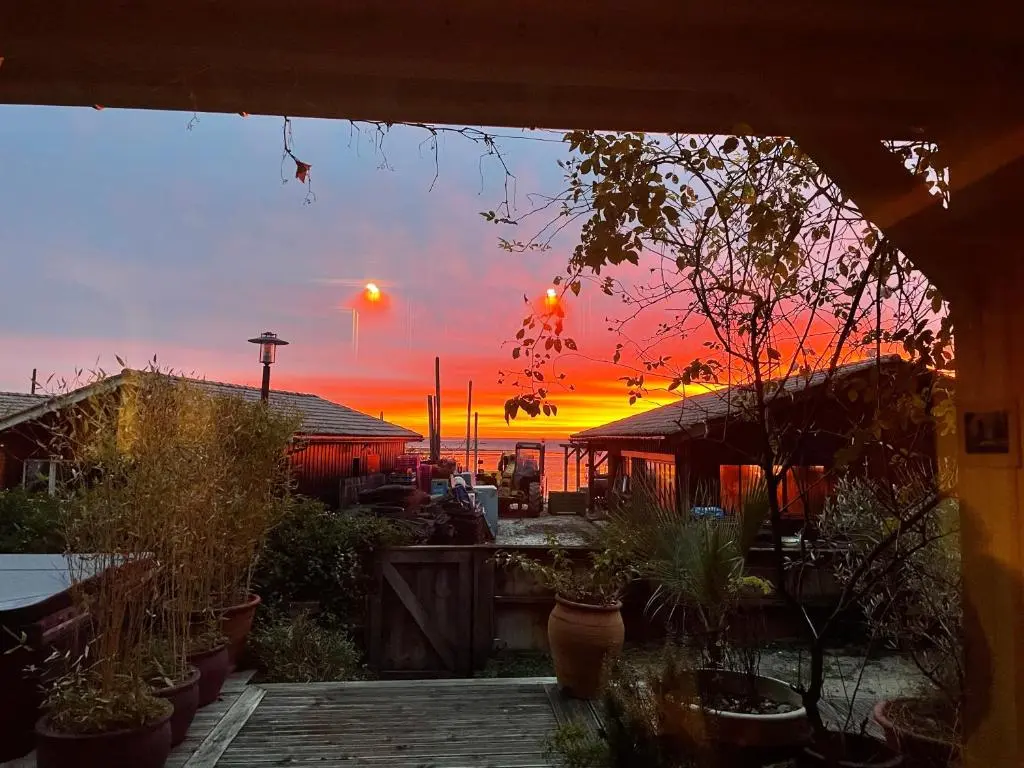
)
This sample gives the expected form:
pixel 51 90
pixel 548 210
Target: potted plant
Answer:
pixel 102 711
pixel 697 566
pixel 99 719
pixel 248 453
pixel 585 629
pixel 173 678
pixel 208 653
pixel 918 609
pixel 895 555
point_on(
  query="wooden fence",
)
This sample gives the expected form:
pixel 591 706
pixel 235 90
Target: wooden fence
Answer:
pixel 440 611
pixel 431 611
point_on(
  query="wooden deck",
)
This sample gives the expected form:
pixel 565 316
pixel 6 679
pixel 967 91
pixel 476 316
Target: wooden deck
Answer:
pixel 461 723
pixel 500 723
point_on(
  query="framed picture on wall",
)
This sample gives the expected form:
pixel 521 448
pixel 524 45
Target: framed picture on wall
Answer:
pixel 990 434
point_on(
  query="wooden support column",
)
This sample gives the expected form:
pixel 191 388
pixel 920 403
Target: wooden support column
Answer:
pixel 974 252
pixel 990 377
pixel 590 473
pixel 682 472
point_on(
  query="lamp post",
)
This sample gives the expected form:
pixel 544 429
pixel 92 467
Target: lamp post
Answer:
pixel 268 342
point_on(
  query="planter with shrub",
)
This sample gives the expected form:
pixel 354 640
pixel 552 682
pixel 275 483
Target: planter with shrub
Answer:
pixel 175 489
pixel 94 723
pixel 915 605
pixel 585 629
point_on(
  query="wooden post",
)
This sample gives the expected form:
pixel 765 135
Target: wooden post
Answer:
pixel 565 467
pixel 590 473
pixel 437 407
pixel 35 383
pixel 476 445
pixel 469 411
pixel 579 458
pixel 430 425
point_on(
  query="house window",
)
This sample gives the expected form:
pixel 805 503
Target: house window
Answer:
pixel 802 490
pixel 40 475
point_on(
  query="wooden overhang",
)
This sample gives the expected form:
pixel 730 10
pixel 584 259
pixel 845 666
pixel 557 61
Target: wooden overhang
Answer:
pixel 886 69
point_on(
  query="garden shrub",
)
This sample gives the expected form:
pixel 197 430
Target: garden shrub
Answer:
pixel 319 556
pixel 298 650
pixel 29 523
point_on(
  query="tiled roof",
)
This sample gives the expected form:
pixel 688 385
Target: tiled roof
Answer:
pixel 12 402
pixel 695 410
pixel 320 417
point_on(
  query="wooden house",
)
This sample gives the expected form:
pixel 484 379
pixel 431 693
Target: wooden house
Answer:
pixel 705 449
pixel 333 442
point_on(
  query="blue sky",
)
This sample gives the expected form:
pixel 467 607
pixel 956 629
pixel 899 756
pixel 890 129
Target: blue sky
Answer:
pixel 131 233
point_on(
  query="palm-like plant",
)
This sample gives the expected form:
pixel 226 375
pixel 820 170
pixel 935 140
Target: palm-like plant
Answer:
pixel 696 562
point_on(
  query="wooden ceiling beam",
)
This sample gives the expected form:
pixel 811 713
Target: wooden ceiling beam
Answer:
pixel 981 223
pixel 894 200
pixel 430 100
pixel 884 69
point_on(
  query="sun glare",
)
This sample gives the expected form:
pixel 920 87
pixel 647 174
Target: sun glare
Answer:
pixel 372 292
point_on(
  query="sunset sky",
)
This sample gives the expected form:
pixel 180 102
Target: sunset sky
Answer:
pixel 131 233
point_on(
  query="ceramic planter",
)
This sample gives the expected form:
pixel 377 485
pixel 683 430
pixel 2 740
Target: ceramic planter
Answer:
pixel 745 730
pixel 145 747
pixel 213 666
pixel 917 748
pixel 236 623
pixel 582 638
pixel 185 698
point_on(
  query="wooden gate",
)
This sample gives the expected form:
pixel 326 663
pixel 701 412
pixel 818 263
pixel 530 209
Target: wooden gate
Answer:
pixel 431 613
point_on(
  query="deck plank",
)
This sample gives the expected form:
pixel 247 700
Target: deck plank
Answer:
pixel 220 738
pixel 494 723
pixel 208 717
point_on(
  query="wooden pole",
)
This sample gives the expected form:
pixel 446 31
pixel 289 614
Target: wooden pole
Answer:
pixel 469 413
pixel 590 474
pixel 476 445
pixel 34 382
pixel 565 468
pixel 437 406
pixel 430 424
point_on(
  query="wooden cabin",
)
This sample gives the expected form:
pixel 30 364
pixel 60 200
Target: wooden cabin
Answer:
pixel 334 441
pixel 705 450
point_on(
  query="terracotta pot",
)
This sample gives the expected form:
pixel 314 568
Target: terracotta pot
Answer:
pixel 236 623
pixel 582 638
pixel 850 750
pixel 145 747
pixel 917 749
pixel 185 698
pixel 213 666
pixel 746 730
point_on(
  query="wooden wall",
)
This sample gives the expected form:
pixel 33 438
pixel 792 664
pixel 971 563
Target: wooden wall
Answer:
pixel 321 464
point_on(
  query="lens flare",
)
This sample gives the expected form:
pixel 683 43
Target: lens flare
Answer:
pixel 372 292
